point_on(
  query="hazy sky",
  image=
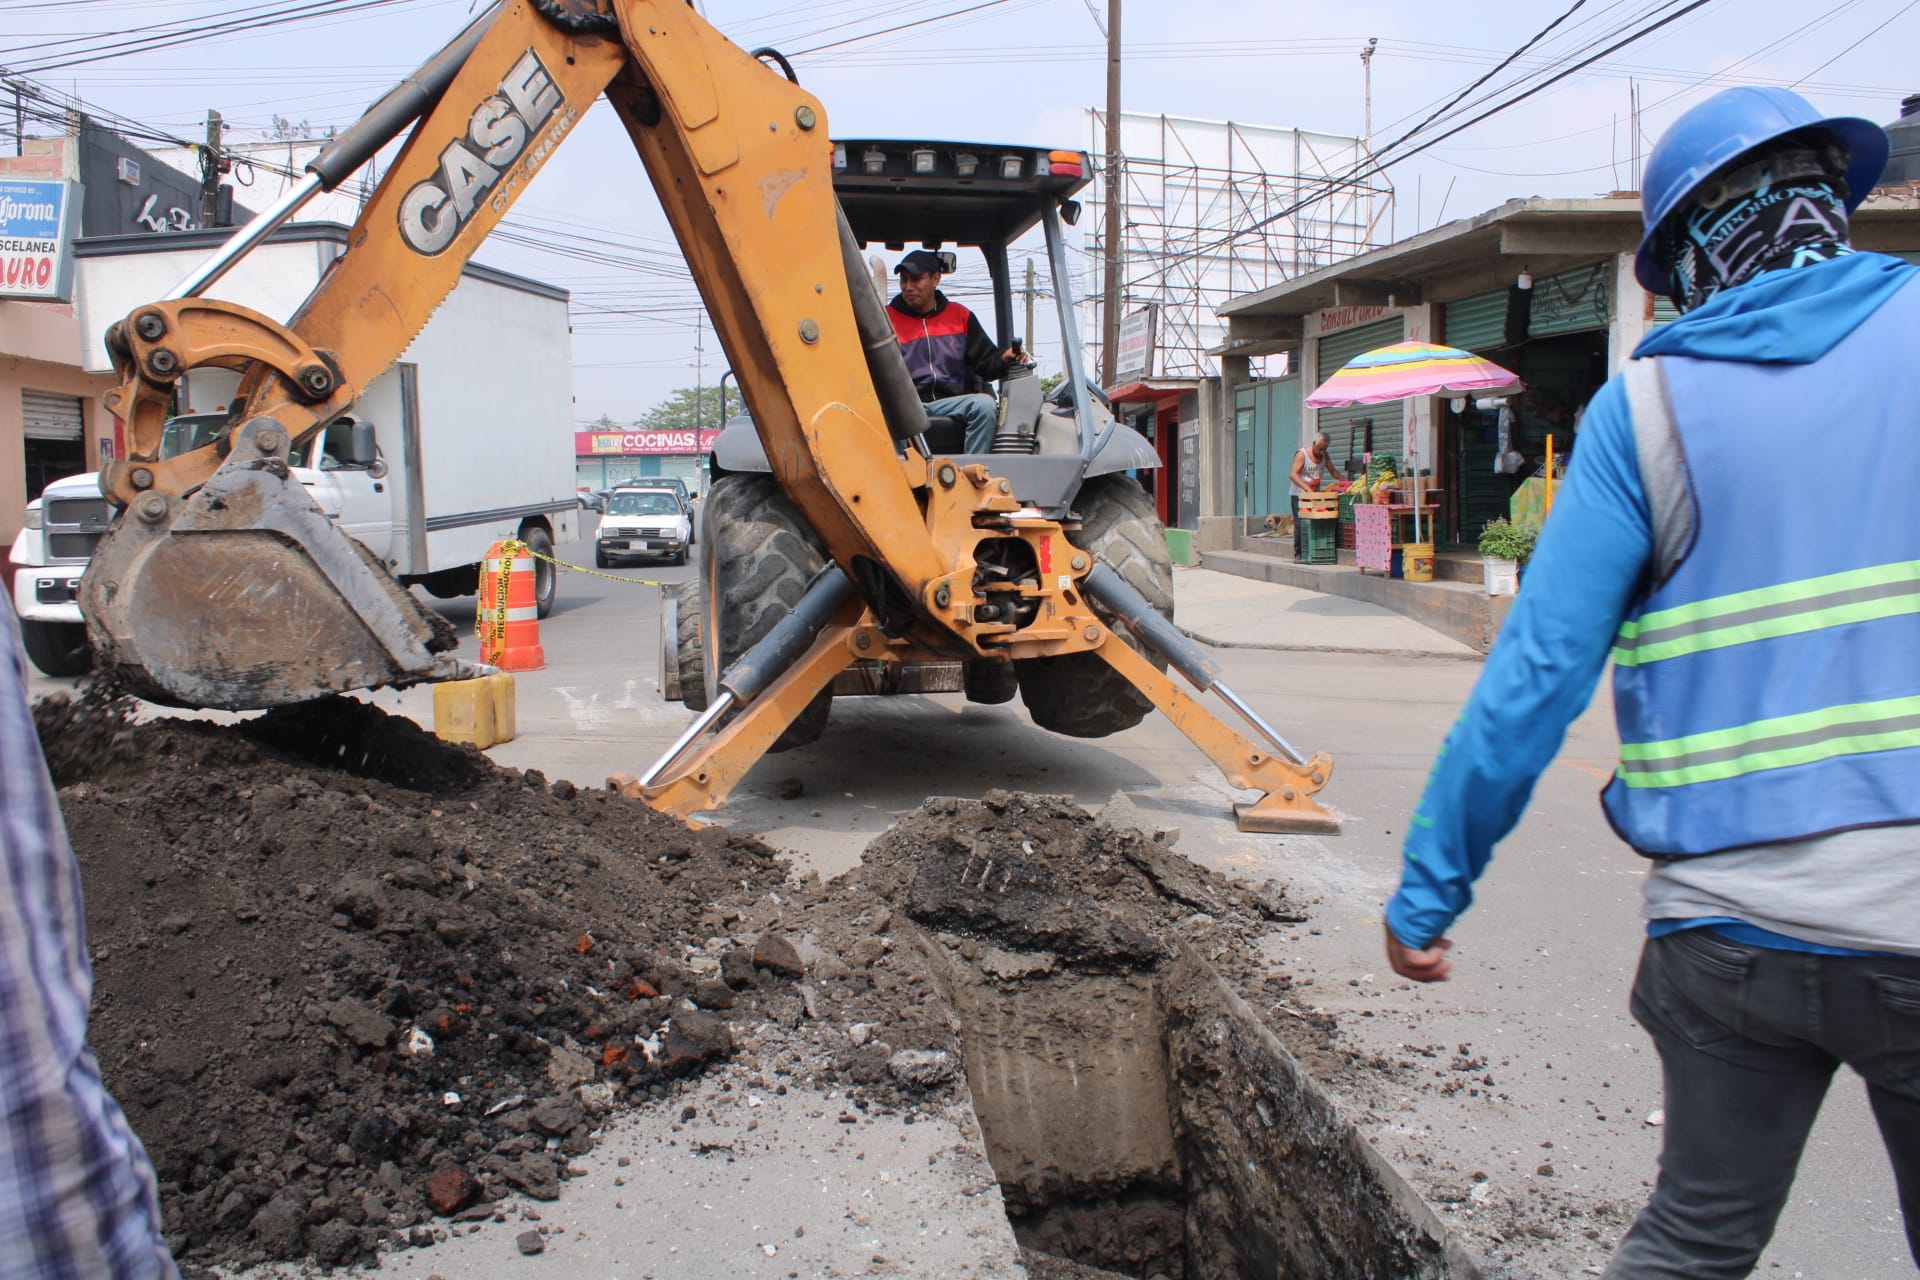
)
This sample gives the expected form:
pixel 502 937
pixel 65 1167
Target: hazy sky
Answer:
pixel 1017 71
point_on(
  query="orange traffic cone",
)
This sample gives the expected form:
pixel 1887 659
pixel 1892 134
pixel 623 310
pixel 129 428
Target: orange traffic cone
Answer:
pixel 509 621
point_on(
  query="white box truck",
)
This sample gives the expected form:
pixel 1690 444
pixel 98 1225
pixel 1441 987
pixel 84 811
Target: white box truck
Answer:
pixel 466 440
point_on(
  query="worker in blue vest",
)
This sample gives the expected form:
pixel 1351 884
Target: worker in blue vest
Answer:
pixel 1766 674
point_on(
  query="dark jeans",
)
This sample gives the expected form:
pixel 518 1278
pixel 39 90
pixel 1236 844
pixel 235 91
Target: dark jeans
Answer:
pixel 1299 534
pixel 1749 1038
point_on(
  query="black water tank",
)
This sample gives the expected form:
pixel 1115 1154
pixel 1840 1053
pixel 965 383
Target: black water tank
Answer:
pixel 1904 165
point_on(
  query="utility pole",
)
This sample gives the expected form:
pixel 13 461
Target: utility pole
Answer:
pixel 210 174
pixel 19 119
pixel 1116 205
pixel 1029 330
pixel 1366 73
pixel 699 373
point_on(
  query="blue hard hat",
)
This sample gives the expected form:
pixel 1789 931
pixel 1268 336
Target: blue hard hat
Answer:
pixel 1727 125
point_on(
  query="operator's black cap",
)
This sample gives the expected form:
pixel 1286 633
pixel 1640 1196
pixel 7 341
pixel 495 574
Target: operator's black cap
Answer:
pixel 918 263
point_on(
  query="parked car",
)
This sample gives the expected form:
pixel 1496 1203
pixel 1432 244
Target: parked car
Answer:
pixel 650 522
pixel 674 484
pixel 591 500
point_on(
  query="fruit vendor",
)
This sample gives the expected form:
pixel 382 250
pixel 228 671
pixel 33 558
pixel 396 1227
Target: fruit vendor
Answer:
pixel 1310 467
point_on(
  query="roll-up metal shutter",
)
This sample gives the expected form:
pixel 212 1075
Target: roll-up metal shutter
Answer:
pixel 1478 323
pixel 1663 309
pixel 1573 301
pixel 1345 438
pixel 49 417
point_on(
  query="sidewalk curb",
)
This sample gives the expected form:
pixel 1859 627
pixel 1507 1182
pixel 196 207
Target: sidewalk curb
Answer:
pixel 1423 655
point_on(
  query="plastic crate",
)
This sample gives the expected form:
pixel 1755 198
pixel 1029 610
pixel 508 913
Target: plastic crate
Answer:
pixel 1319 506
pixel 1321 541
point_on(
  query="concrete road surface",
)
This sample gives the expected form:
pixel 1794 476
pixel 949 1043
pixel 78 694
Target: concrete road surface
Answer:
pixel 1517 1094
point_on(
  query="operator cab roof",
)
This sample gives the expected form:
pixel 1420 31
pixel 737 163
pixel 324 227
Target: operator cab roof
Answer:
pixel 902 192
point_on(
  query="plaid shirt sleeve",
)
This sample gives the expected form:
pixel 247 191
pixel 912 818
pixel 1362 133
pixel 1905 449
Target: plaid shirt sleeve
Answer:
pixel 77 1194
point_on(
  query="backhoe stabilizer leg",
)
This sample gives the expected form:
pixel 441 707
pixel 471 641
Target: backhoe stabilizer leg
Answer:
pixel 709 776
pixel 1288 779
pixel 774 681
pixel 1287 806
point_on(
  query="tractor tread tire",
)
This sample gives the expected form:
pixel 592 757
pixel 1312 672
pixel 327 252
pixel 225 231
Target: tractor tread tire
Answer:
pixel 689 652
pixel 757 559
pixel 1078 694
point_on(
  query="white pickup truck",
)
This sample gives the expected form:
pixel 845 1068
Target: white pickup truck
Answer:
pixel 467 440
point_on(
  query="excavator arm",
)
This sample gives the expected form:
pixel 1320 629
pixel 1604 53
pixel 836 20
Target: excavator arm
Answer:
pixel 224 586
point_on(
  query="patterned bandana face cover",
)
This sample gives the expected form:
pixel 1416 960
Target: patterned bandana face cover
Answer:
pixel 1779 211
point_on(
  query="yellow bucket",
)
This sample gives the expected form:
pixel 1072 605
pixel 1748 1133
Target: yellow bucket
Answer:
pixel 1417 557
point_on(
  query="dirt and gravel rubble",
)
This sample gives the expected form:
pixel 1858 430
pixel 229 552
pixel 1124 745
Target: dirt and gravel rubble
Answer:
pixel 351 982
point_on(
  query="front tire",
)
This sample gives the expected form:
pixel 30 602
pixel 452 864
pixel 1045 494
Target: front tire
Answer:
pixel 546 574
pixel 600 560
pixel 757 560
pixel 57 648
pixel 1078 694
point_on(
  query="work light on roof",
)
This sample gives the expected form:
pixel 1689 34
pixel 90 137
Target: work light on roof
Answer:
pixel 875 160
pixel 965 163
pixel 839 156
pixel 1010 166
pixel 923 160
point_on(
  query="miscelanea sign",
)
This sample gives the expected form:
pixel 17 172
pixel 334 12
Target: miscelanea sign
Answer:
pixel 36 240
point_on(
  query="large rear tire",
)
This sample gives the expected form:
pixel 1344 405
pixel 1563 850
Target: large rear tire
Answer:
pixel 1078 694
pixel 755 562
pixel 57 648
pixel 688 652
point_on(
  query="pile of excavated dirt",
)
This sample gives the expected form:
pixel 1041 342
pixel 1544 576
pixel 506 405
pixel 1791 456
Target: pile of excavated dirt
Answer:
pixel 354 986
pixel 351 982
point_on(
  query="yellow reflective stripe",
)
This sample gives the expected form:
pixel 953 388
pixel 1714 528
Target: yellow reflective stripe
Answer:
pixel 1768 629
pixel 1740 601
pixel 1849 729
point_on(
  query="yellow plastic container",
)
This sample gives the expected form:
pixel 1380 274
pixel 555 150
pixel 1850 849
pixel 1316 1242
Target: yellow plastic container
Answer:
pixel 1418 559
pixel 479 712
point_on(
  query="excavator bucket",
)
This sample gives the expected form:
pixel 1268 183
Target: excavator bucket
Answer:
pixel 244 595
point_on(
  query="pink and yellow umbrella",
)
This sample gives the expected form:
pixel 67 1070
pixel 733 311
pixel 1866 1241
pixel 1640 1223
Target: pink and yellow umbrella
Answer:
pixel 1408 369
pixel 1411 369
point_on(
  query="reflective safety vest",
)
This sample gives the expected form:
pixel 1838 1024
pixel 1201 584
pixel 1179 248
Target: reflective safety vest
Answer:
pixel 1767 683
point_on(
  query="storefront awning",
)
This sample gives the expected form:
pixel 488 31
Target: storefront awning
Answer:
pixel 1143 392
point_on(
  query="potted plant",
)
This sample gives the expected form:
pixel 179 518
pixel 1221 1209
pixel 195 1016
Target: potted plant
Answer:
pixel 1504 547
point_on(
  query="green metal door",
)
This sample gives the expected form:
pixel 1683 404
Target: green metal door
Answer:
pixel 1277 436
pixel 1243 460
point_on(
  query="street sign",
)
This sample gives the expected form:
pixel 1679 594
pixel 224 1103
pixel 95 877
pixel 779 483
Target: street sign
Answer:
pixel 1134 358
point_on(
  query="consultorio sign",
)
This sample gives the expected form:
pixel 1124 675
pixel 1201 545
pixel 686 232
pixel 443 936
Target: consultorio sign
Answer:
pixel 36 239
pixel 600 444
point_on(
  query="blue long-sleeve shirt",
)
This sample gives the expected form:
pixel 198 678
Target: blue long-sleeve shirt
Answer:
pixel 1582 581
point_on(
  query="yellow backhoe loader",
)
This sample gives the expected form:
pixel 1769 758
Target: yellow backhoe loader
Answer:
pixel 222 585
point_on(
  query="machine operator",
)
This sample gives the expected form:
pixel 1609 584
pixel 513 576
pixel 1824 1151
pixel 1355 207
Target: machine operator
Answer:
pixel 947 351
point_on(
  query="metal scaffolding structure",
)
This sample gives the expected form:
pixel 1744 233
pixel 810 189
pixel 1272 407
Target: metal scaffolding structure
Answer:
pixel 1198 196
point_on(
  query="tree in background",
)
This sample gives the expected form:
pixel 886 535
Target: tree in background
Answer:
pixel 687 408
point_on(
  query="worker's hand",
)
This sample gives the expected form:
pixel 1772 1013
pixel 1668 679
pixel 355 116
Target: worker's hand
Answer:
pixel 1311 486
pixel 1013 355
pixel 1430 965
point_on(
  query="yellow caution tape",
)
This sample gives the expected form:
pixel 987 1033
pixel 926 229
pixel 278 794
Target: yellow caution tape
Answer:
pixel 594 573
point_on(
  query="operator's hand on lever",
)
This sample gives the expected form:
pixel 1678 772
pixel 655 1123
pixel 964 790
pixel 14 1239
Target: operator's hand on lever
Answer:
pixel 1429 965
pixel 1016 354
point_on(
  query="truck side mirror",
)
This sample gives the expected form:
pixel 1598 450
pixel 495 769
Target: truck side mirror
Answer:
pixel 364 448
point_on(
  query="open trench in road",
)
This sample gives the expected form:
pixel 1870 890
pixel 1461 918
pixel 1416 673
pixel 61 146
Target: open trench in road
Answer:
pixel 355 987
pixel 1141 1119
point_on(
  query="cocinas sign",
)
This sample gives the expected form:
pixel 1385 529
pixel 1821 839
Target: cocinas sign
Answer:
pixel 589 444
